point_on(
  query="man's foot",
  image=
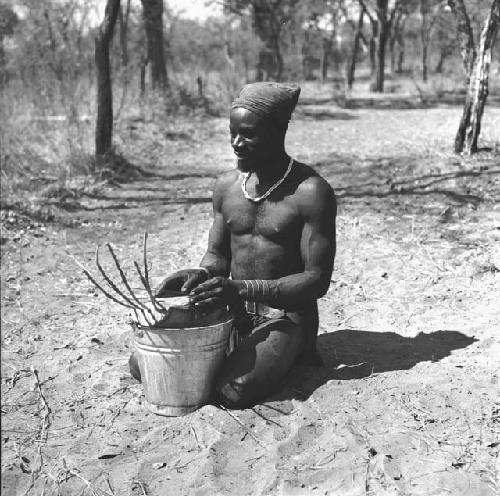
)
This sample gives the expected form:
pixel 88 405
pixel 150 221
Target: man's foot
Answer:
pixel 133 365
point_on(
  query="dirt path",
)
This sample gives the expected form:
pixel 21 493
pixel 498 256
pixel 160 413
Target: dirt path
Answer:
pixel 407 402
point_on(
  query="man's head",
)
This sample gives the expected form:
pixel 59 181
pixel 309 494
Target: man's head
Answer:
pixel 258 122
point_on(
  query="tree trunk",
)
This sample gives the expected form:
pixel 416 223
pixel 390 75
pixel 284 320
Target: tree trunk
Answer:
pixel 401 56
pixel 153 23
pixel 263 64
pixel 123 19
pixel 380 44
pixel 465 36
pixel 104 125
pixel 444 53
pixel 325 56
pixel 275 43
pixel 393 36
pixel 398 51
pixel 424 35
pixel 373 48
pixel 355 48
pixel 476 72
pixel 478 85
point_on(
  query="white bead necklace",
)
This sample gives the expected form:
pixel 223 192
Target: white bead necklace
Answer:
pixel 246 177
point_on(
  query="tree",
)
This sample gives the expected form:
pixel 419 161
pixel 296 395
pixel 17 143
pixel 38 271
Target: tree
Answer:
pixel 269 19
pixel 358 35
pixel 8 21
pixel 381 21
pixel 429 17
pixel 104 126
pixel 397 41
pixel 444 38
pixel 476 67
pixel 155 52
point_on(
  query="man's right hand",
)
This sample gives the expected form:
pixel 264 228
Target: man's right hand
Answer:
pixel 183 280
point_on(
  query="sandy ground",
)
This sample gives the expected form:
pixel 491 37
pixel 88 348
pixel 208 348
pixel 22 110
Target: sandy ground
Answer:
pixel 407 402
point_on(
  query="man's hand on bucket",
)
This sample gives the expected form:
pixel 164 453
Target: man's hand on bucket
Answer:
pixel 182 281
pixel 216 292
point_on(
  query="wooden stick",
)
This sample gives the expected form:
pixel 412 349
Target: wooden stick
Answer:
pixel 98 286
pixel 114 287
pixel 125 282
pixel 157 306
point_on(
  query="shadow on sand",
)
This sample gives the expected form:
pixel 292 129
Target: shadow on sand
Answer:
pixel 353 354
pixel 394 176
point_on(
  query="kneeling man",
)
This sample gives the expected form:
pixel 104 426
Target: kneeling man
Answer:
pixel 270 251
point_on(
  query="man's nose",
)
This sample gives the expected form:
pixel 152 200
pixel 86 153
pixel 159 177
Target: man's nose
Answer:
pixel 237 141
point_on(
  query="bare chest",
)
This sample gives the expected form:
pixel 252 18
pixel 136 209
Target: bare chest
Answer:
pixel 272 219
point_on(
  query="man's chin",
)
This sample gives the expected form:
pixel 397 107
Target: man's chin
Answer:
pixel 245 164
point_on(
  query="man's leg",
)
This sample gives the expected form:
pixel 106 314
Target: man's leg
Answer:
pixel 259 364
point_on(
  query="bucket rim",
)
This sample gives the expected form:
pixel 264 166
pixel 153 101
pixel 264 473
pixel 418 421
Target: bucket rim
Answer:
pixel 183 329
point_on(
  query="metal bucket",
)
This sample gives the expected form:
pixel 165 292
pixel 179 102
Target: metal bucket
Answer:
pixel 179 365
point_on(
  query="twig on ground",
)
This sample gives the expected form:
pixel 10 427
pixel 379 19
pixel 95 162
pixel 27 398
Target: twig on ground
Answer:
pixel 17 374
pixel 263 417
pixel 251 434
pixel 325 461
pixel 140 484
pixel 43 435
pixel 429 256
pixel 195 436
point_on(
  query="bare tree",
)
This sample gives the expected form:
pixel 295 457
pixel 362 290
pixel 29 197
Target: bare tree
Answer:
pixel 155 54
pixel 8 20
pixel 381 21
pixel 358 34
pixel 424 35
pixel 104 126
pixel 123 21
pixel 269 21
pixel 396 41
pixel 476 67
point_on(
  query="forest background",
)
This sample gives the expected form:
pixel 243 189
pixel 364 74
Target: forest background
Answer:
pixel 164 65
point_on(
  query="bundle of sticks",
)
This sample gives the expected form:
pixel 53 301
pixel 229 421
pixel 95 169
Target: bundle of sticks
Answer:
pixel 148 311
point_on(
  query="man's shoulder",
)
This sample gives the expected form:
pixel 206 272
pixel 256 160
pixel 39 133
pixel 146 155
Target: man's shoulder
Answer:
pixel 222 185
pixel 227 179
pixel 310 185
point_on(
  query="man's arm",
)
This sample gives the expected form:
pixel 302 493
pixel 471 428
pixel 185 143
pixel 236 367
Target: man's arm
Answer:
pixel 217 259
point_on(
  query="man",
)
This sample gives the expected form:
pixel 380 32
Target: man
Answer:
pixel 270 250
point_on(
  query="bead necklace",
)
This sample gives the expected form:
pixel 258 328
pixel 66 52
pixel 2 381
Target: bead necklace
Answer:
pixel 246 177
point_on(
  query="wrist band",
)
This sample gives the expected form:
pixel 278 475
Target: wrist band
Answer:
pixel 257 290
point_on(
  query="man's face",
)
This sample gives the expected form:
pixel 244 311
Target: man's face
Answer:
pixel 253 139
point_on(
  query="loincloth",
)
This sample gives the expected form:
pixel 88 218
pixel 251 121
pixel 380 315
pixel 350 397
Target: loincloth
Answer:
pixel 256 315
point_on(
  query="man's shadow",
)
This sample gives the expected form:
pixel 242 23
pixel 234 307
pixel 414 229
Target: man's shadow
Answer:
pixel 353 354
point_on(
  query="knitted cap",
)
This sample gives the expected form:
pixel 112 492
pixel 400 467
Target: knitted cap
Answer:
pixel 268 99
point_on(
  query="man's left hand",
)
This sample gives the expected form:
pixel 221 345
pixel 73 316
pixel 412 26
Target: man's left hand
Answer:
pixel 216 292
